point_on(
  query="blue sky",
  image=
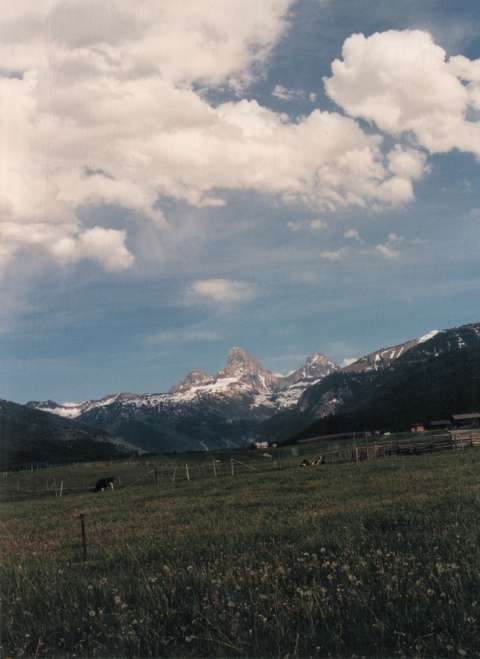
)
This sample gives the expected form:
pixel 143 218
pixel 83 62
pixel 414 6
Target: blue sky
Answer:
pixel 152 239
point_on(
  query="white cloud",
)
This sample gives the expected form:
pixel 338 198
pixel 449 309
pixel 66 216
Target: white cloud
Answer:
pixel 102 97
pixel 106 246
pixel 407 163
pixel 308 225
pixel 318 224
pixel 66 244
pixel 285 94
pixel 110 108
pixel 353 234
pixel 390 248
pixel 180 336
pixel 295 226
pixel 405 83
pixel 223 290
pixel 332 255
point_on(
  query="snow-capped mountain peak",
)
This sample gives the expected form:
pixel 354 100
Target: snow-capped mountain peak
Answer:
pixel 242 393
pixel 428 336
pixel 240 362
pixel 316 366
pixel 193 379
pixel 248 370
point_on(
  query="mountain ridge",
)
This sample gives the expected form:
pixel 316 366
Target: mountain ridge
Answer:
pixel 244 401
pixel 232 401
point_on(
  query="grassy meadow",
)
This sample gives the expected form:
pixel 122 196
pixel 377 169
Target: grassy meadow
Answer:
pixel 377 559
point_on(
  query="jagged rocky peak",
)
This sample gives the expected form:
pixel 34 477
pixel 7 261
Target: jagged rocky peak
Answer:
pixel 316 366
pixel 242 366
pixel 240 362
pixel 195 378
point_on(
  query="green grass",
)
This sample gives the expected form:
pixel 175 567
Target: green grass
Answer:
pixel 377 559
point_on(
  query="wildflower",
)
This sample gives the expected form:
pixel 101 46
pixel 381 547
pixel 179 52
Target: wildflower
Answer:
pixel 91 614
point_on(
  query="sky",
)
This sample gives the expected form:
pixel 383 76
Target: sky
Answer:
pixel 179 178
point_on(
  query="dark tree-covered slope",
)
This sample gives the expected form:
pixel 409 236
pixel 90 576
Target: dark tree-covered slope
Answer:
pixel 28 435
pixel 427 380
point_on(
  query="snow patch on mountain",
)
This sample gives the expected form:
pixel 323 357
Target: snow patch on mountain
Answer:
pixel 428 336
pixel 243 382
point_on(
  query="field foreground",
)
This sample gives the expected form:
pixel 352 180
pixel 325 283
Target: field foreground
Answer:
pixel 376 559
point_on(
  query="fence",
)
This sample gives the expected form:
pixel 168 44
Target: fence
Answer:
pixel 16 486
pixel 30 485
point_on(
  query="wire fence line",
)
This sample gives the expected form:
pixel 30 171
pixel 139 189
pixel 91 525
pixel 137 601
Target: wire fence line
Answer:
pixel 158 474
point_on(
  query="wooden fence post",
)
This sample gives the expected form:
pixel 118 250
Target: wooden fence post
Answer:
pixel 187 473
pixel 214 468
pixel 84 536
pixel 174 474
pixel 232 467
pixel 61 488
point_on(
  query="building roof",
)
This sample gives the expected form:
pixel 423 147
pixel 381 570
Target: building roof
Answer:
pixel 466 417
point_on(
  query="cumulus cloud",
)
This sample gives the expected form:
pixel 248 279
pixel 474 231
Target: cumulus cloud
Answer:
pixel 100 95
pixel 105 104
pixel 404 83
pixel 223 290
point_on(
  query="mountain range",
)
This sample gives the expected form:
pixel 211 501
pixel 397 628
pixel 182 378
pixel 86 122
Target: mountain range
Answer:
pixel 424 379
pixel 421 379
pixel 201 411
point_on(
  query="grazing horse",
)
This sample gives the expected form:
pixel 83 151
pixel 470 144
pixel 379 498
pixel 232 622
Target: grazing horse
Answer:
pixel 103 483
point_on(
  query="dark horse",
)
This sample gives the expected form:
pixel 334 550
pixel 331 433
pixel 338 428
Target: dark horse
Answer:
pixel 103 483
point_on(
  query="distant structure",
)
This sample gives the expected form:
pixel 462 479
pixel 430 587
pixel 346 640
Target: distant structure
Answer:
pixel 261 445
pixel 418 427
pixel 440 424
pixel 470 420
